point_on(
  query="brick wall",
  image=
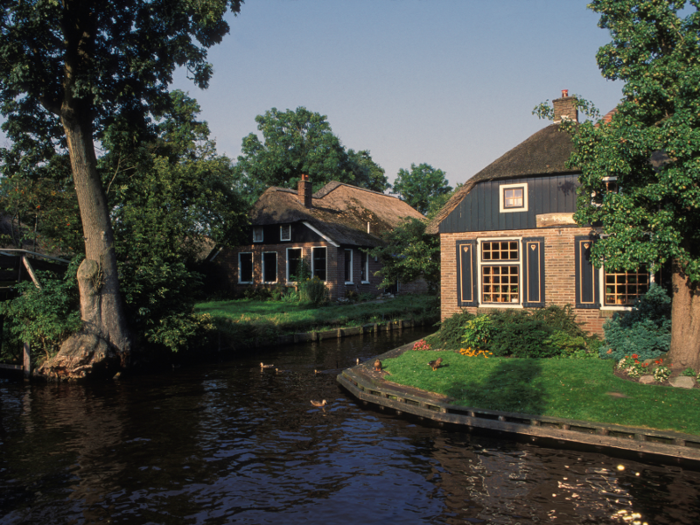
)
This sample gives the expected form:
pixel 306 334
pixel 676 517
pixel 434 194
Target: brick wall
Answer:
pixel 559 270
pixel 223 272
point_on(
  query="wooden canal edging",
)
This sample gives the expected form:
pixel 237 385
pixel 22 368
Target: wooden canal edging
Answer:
pixel 370 386
pixel 324 335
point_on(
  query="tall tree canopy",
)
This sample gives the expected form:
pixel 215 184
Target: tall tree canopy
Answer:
pixel 651 147
pixel 409 254
pixel 420 186
pixel 302 142
pixel 72 69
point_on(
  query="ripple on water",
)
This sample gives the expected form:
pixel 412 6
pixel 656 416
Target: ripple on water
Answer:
pixel 227 443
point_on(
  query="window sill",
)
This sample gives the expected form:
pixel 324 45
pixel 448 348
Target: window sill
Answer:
pixel 245 282
pixel 349 282
pixel 500 305
pixel 365 282
pixel 616 308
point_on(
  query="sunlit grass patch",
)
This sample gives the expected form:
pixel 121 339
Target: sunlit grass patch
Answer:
pixel 574 389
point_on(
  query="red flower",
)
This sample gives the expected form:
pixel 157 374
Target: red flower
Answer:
pixel 634 356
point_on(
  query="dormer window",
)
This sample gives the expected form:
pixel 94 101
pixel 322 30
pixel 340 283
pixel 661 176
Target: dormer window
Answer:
pixel 513 197
pixel 257 234
pixel 286 232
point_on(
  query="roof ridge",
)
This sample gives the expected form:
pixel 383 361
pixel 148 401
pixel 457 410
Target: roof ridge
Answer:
pixel 336 184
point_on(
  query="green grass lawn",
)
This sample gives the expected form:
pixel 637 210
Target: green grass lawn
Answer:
pixel 247 318
pixel 583 389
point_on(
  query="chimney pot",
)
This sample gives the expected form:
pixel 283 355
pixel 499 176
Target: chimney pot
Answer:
pixel 564 93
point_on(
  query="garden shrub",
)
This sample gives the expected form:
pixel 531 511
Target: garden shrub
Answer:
pixel 313 291
pixel 451 332
pixel 546 332
pixel 477 332
pixel 44 317
pixel 644 331
pixel 523 336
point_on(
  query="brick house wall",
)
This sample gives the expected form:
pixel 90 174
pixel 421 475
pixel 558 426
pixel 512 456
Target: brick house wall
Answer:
pixel 559 271
pixel 226 274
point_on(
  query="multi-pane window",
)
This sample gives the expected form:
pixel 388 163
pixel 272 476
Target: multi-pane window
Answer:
pixel 348 266
pixel 245 267
pixel 293 264
pixel 286 232
pixel 500 272
pixel 624 288
pixel 319 263
pixel 257 234
pixel 513 198
pixel 269 261
pixel 364 267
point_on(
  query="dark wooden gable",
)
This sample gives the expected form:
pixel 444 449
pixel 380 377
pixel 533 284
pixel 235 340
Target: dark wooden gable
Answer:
pixel 480 209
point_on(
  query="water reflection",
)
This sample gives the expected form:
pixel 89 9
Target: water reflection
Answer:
pixel 231 443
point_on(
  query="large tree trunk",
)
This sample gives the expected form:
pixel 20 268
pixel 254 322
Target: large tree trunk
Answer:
pixel 685 317
pixel 104 342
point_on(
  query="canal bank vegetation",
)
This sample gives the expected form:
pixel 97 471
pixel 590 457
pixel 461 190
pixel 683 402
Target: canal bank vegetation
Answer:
pixel 541 362
pixel 581 389
pixel 244 322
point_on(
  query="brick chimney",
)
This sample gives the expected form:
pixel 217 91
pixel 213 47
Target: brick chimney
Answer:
pixel 565 107
pixel 304 191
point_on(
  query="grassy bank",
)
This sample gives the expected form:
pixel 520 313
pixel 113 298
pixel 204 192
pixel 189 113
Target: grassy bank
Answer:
pixel 245 320
pixel 583 389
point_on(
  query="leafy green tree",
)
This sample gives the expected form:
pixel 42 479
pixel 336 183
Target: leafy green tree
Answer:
pixel 651 147
pixel 420 186
pixel 438 201
pixel 71 69
pixel 171 205
pixel 301 142
pixel 409 254
pixel 42 317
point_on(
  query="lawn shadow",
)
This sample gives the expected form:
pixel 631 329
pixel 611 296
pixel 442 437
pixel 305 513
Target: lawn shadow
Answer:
pixel 508 388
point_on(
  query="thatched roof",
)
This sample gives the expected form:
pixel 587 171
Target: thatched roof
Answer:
pixel 544 153
pixel 339 211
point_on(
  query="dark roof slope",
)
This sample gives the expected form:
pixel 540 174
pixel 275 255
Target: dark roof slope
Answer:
pixel 339 211
pixel 544 153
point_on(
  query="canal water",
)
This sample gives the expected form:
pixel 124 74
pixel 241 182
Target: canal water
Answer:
pixel 231 443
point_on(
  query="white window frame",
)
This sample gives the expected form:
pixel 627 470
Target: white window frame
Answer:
pixel 258 230
pixel 313 262
pixel 276 268
pixel 481 264
pixel 366 268
pixel 289 231
pixel 286 262
pixel 252 268
pixel 352 277
pixel 501 197
pixel 601 291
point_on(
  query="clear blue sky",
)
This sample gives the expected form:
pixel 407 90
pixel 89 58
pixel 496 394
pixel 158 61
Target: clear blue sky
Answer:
pixel 448 82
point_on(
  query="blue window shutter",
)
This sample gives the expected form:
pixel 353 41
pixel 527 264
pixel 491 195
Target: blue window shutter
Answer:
pixel 587 281
pixel 467 290
pixel 533 272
